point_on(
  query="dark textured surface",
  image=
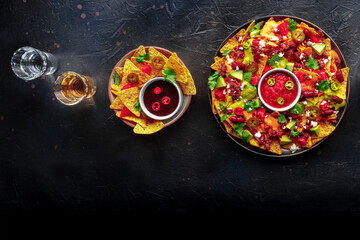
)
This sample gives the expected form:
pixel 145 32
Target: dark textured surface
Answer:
pixel 83 157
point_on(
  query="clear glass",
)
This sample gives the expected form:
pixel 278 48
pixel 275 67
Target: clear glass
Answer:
pixel 70 88
pixel 29 63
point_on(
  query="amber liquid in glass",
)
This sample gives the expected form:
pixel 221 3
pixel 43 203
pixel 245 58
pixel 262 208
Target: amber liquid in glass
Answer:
pixel 73 87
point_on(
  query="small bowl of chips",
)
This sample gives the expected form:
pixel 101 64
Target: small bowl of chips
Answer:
pixel 132 73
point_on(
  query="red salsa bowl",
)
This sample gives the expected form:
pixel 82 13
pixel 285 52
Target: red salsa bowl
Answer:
pixel 279 89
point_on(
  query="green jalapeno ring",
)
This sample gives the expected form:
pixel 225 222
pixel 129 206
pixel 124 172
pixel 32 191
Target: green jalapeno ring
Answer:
pixel 280 100
pixel 334 86
pixel 271 82
pixel 289 85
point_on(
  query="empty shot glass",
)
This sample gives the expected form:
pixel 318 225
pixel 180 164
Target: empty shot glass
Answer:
pixel 29 63
pixel 70 88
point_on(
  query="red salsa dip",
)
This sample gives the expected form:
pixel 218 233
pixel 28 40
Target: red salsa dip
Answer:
pixel 279 89
pixel 161 98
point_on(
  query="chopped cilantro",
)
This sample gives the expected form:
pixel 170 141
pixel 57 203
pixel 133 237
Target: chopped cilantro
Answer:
pixel 247 77
pixel 294 134
pixel 223 106
pixel 250 106
pixel 213 80
pixel 117 78
pixel 274 59
pixel 238 128
pixel 282 118
pixel 137 106
pixel 292 25
pixel 323 85
pixel 223 117
pixel 169 74
pixel 141 58
pixel 226 52
pixel 312 63
pixel 257 26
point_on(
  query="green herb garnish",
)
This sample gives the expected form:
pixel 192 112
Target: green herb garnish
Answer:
pixel 238 128
pixel 282 118
pixel 324 85
pixel 226 52
pixel 116 78
pixel 247 77
pixel 137 106
pixel 294 134
pixel 223 117
pixel 141 58
pixel 312 63
pixel 250 106
pixel 169 74
pixel 276 58
pixel 292 25
pixel 213 80
pixel 257 26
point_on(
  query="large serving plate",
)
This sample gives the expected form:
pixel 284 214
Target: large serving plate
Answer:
pixel 285 152
pixel 186 98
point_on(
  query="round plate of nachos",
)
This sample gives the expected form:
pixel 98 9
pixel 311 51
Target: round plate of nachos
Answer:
pixel 278 42
pixel 132 72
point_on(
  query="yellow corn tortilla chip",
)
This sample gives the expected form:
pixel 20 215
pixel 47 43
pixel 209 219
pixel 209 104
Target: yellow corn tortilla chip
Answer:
pixel 150 128
pixel 117 104
pixel 129 97
pixel 228 127
pixel 274 145
pixel 119 71
pixel 341 92
pixel 315 140
pixel 139 120
pixel 325 130
pixel 139 51
pixel 267 32
pixel 129 66
pixel 181 76
pixel 189 87
pixel 218 61
pixel 308 84
pixel 153 53
pixel 115 89
pixel 261 66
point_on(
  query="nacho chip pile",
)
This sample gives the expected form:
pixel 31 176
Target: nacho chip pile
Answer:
pixel 252 52
pixel 136 71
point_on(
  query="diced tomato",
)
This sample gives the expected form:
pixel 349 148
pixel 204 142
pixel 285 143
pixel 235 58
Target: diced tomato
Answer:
pixel 126 112
pixel 254 80
pixel 300 76
pixel 301 141
pixel 129 85
pixel 255 42
pixel 332 69
pixel 146 69
pixel 219 93
pixel 322 75
pixel 266 69
pixel 324 105
pixel 283 29
pixel 314 39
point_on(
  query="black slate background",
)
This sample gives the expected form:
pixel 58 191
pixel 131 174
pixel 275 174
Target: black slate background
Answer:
pixel 84 158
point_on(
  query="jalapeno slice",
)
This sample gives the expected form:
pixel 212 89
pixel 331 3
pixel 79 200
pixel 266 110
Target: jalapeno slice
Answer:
pixel 158 62
pixel 289 85
pixel 334 86
pixel 280 100
pixel 298 36
pixel 132 78
pixel 252 67
pixel 312 112
pixel 271 82
pixel 252 122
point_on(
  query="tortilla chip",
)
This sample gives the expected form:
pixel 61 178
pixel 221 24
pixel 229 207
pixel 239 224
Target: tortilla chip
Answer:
pixel 251 25
pixel 230 44
pixel 153 53
pixel 275 147
pixel 228 127
pixel 181 76
pixel 150 128
pixel 325 130
pixel 117 104
pixel 119 71
pixel 341 92
pixel 130 97
pixel 267 31
pixel 315 140
pixel 261 66
pixel 218 61
pixel 272 122
pixel 189 87
pixel 115 89
pixel 308 84
pixel 140 121
pixel 140 51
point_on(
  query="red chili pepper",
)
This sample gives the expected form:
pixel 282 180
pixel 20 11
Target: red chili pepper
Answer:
pixel 157 90
pixel 146 69
pixel 238 111
pixel 324 105
pixel 156 106
pixel 129 85
pixel 165 100
pixel 126 112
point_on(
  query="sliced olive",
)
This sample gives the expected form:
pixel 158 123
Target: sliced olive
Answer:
pixel 252 67
pixel 334 86
pixel 280 100
pixel 289 85
pixel 132 78
pixel 312 112
pixel 298 36
pixel 252 122
pixel 271 82
pixel 158 62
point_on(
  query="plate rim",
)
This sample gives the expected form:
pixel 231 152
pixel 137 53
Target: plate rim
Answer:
pixel 260 151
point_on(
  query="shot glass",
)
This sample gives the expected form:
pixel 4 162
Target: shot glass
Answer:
pixel 29 63
pixel 70 88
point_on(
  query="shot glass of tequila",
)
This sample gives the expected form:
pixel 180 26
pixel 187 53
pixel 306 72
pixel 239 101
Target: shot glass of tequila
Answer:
pixel 70 88
pixel 29 63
